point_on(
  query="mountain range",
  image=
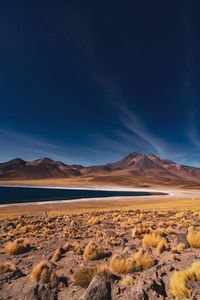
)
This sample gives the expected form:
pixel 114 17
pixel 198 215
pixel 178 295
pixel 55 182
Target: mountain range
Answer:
pixel 135 169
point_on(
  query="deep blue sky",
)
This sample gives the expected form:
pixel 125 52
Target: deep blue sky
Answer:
pixel 91 81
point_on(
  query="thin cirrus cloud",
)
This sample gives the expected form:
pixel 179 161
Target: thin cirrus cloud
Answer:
pixel 134 125
pixel 30 147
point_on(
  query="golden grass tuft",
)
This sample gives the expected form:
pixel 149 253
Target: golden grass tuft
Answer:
pixel 162 246
pixel 84 276
pixel 144 260
pixel 170 230
pixel 121 264
pixel 18 246
pixel 178 284
pixel 127 281
pixel 104 270
pixel 56 256
pixel 45 273
pixel 93 251
pixel 155 240
pixel 181 247
pixel 7 267
pixel 94 221
pixel 140 230
pixel 179 281
pixel 193 238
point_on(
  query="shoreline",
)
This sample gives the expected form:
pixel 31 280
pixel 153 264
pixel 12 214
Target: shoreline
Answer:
pixel 175 198
pixel 117 198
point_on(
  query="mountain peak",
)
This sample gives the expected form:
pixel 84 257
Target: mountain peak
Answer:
pixel 16 161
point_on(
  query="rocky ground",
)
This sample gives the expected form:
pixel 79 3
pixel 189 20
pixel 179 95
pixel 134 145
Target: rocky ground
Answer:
pixel 132 254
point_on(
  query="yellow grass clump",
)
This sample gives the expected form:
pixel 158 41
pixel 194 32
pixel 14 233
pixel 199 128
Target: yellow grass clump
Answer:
pixel 72 247
pixel 170 230
pixel 94 221
pixel 45 273
pixel 127 281
pixel 181 247
pixel 155 240
pixel 193 238
pixel 93 251
pixel 104 270
pixel 121 264
pixel 144 259
pixel 196 214
pixel 18 246
pixel 7 267
pixel 179 281
pixel 84 276
pixel 161 224
pixel 162 246
pixel 140 230
pixel 57 255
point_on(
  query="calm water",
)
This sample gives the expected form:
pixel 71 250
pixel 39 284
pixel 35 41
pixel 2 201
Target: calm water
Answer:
pixel 10 195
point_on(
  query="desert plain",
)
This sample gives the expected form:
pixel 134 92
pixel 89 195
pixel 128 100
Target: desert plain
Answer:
pixel 144 247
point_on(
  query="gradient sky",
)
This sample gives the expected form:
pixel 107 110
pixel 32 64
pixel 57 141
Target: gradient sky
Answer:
pixel 89 82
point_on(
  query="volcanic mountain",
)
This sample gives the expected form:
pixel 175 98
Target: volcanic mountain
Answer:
pixel 136 169
pixel 43 168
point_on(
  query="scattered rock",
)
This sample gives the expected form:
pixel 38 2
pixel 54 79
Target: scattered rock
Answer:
pixel 99 289
pixel 182 239
pixel 40 292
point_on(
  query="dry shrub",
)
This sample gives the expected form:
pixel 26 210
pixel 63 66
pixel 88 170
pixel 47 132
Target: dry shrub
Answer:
pixel 24 229
pixel 162 224
pixel 84 276
pixel 93 251
pixel 181 247
pixel 57 255
pixel 196 269
pixel 193 238
pixel 162 246
pixel 155 240
pixel 140 230
pixel 104 270
pixel 94 221
pixel 18 246
pixel 127 281
pixel 178 284
pixel 170 230
pixel 121 264
pixel 77 248
pixel 196 214
pixel 144 260
pixel 172 223
pixel 179 281
pixel 45 272
pixel 7 267
pixel 112 241
pixel 72 247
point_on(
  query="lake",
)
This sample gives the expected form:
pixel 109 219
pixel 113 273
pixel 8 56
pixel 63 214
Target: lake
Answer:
pixel 10 195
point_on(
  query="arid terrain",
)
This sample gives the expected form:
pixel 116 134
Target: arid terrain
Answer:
pixel 143 247
pixel 146 248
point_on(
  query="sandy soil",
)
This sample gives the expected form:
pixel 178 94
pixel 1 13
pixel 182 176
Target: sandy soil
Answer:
pixel 111 224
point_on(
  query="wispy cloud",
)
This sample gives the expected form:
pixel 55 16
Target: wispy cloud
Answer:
pixel 135 125
pixel 192 130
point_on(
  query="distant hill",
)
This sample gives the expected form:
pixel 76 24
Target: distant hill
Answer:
pixel 136 168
